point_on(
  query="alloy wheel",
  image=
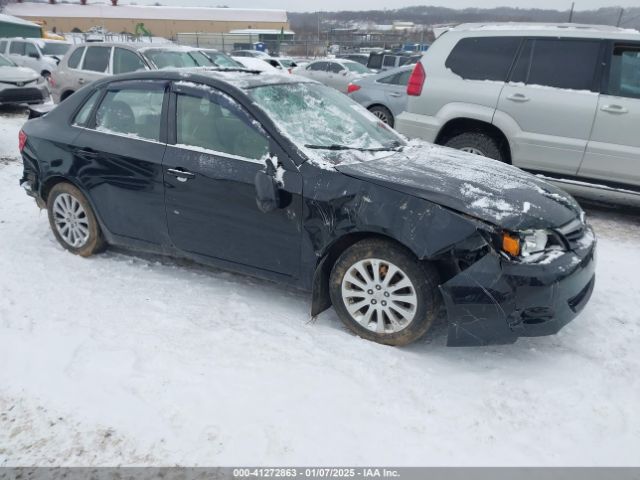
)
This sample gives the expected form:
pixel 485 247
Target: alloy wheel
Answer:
pixel 379 296
pixel 71 220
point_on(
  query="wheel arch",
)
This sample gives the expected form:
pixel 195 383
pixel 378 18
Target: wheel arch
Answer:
pixel 320 299
pixel 465 124
pixel 66 94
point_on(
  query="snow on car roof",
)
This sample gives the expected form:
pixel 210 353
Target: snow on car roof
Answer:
pixel 550 29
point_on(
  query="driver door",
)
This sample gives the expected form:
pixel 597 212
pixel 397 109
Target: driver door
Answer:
pixel 216 148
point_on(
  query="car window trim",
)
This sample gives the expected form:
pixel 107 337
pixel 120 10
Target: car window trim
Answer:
pixel 172 134
pixel 120 85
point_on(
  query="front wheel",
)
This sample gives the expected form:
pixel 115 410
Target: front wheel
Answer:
pixel 73 221
pixel 383 293
pixel 477 143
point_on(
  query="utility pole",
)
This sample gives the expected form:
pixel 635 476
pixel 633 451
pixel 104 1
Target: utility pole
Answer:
pixel 318 26
pixel 620 17
pixel 573 5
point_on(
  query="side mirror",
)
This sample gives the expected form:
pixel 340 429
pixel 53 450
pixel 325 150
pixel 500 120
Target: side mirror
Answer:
pixel 267 195
pixel 344 73
pixel 34 55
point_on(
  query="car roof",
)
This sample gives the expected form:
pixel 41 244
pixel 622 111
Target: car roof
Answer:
pixel 548 30
pixel 140 46
pixel 239 78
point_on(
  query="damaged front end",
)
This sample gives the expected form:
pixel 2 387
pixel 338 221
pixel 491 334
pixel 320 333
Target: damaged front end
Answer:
pixel 501 290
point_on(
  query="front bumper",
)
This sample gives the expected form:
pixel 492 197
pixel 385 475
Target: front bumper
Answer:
pixel 495 300
pixel 29 94
pixel 414 125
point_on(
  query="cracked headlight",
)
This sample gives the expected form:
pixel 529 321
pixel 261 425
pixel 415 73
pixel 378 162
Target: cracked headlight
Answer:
pixel 530 245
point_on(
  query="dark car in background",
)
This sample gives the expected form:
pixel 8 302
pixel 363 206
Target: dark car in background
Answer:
pixel 289 180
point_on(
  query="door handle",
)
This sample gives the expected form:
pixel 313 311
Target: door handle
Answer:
pixel 518 97
pixel 182 175
pixel 619 109
pixel 81 81
pixel 395 94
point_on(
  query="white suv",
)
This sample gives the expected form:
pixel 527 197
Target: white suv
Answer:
pixel 561 100
pixel 38 54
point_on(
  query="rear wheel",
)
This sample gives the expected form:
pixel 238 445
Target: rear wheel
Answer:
pixel 383 113
pixel 383 293
pixel 73 221
pixel 477 143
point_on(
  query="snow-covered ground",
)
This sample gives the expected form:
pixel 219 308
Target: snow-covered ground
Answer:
pixel 131 359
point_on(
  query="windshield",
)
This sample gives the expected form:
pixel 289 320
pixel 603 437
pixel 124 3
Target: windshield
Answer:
pixel 356 67
pixel 171 58
pixel 58 49
pixel 316 117
pixel 222 60
pixel 201 59
pixel 5 62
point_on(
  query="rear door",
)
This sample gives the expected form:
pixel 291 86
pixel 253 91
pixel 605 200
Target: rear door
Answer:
pixel 613 152
pixel 395 91
pixel 552 97
pixel 17 52
pixel 95 65
pixel 218 147
pixel 120 154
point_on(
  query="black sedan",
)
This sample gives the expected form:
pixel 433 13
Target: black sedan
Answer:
pixel 289 180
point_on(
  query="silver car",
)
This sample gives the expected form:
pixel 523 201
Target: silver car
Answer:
pixel 560 100
pixel 383 94
pixel 39 54
pixel 336 73
pixel 21 84
pixel 88 62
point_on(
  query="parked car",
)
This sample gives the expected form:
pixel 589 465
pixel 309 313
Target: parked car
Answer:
pixel 86 63
pixel 220 59
pixel 383 94
pixel 38 54
pixel 381 61
pixel 282 63
pixel 20 84
pixel 559 100
pixel 336 73
pixel 361 58
pixel 257 64
pixel 286 179
pixel 250 53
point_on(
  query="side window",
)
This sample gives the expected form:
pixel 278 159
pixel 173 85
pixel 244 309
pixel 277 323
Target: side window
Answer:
pixel 3 46
pixel 389 61
pixel 624 73
pixel 403 78
pixel 97 59
pixel 76 56
pixel 125 61
pixel 218 124
pixel 483 58
pixel 317 66
pixel 31 51
pixel 390 79
pixel 135 112
pixel 17 48
pixel 335 67
pixel 559 63
pixel 82 117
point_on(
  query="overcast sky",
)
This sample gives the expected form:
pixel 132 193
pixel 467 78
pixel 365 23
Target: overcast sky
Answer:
pixel 314 5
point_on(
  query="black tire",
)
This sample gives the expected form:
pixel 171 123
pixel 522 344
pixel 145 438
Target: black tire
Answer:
pixel 94 243
pixel 481 143
pixel 424 277
pixel 66 95
pixel 383 113
pixel 45 74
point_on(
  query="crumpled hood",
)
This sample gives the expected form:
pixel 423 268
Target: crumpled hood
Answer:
pixel 17 74
pixel 483 188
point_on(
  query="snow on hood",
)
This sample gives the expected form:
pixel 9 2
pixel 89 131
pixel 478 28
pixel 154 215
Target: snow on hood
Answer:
pixel 17 74
pixel 486 189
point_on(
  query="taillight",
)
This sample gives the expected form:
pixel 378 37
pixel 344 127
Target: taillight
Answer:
pixel 416 80
pixel 22 140
pixel 353 88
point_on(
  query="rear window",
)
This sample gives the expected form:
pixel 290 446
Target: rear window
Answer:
pixel 125 61
pixel 389 61
pixel 483 58
pixel 559 63
pixel 97 59
pixel 76 56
